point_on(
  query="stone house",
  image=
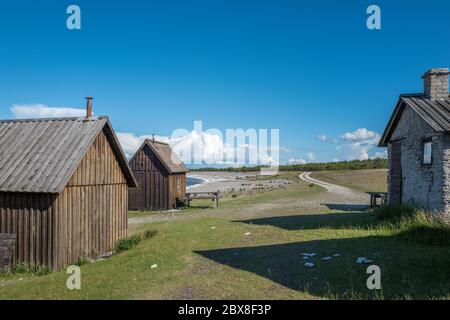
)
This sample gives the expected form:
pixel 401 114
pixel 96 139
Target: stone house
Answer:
pixel 418 141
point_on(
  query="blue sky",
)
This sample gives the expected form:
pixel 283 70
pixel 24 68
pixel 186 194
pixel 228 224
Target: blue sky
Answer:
pixel 306 68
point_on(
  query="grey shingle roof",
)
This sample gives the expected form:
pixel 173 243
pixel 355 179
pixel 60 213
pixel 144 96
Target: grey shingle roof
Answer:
pixel 41 155
pixel 165 154
pixel 434 112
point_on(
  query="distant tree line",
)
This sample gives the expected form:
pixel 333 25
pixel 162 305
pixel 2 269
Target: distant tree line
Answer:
pixel 326 166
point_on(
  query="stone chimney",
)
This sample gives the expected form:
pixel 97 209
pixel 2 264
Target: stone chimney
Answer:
pixel 436 84
pixel 88 107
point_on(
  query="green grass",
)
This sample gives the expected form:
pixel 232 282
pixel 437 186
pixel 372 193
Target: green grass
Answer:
pixel 211 255
pixel 416 225
pixel 360 180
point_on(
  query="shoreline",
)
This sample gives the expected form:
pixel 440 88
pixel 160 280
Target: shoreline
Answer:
pixel 234 182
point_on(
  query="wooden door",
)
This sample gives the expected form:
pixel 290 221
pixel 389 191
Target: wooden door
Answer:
pixel 395 174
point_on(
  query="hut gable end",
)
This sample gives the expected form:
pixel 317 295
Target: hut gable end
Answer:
pixel 147 160
pixel 105 171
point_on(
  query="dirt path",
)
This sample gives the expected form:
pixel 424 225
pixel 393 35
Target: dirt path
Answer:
pixel 333 188
pixel 336 198
pixel 347 197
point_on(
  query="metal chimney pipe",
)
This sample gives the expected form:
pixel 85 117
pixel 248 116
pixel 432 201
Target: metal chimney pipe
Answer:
pixel 88 107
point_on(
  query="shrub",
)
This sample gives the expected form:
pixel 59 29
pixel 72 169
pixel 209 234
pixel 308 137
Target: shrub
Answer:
pixel 149 234
pixel 37 270
pixel 127 243
pixel 81 261
pixel 20 268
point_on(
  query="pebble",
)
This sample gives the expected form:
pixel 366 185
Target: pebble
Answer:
pixel 154 266
pixel 362 260
pixel 309 264
pixel 309 254
pixel 247 233
pixel 327 258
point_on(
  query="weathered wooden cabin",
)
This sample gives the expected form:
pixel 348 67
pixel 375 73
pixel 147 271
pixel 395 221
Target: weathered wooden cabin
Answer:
pixel 63 188
pixel 418 141
pixel 161 177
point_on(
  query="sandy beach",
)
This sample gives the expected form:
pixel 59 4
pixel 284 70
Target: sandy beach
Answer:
pixel 235 182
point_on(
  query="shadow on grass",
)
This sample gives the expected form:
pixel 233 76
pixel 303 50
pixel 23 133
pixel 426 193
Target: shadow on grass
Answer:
pixel 361 220
pixel 408 269
pixel 406 272
pixel 346 207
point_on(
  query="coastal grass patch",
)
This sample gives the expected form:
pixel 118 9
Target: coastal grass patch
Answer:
pixel 221 258
pixel 237 256
pixel 360 180
pixel 416 225
pixel 236 200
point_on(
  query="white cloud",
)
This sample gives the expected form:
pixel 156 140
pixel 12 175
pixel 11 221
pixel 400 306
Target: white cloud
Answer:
pixel 354 151
pixel 381 155
pixel 325 138
pixel 30 111
pixel 297 161
pixel 358 143
pixel 361 134
pixel 311 156
pixel 205 147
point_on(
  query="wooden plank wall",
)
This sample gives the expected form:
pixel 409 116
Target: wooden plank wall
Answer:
pixel 89 216
pixel 91 220
pixel 153 180
pixel 93 209
pixel 31 217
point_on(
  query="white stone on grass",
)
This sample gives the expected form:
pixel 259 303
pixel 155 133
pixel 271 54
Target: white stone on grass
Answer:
pixel 309 254
pixel 363 260
pixel 247 233
pixel 326 258
pixel 154 266
pixel 309 264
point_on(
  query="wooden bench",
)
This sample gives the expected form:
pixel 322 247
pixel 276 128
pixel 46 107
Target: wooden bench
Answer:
pixel 214 196
pixel 374 196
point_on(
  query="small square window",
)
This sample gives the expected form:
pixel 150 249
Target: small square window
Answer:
pixel 178 184
pixel 427 151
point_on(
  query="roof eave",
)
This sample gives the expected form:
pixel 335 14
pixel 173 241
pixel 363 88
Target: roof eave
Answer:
pixel 384 141
pixel 131 180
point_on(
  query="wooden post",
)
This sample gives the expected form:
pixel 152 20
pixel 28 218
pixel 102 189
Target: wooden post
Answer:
pixel 216 203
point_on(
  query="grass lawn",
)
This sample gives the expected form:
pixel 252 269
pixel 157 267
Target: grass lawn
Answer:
pixel 360 180
pixel 251 248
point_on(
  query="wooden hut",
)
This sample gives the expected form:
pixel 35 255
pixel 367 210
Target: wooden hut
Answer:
pixel 63 188
pixel 161 177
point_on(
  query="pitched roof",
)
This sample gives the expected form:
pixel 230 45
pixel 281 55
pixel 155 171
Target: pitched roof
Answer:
pixel 164 152
pixel 41 155
pixel 434 112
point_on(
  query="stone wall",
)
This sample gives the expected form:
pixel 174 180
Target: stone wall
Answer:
pixel 423 185
pixel 7 249
pixel 446 172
